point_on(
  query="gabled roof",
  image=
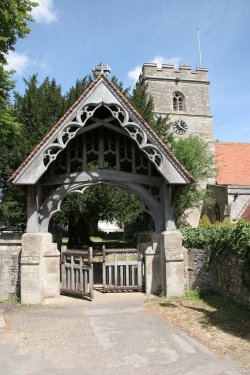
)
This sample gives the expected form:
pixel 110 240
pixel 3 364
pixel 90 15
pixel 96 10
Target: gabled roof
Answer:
pixel 232 163
pixel 101 90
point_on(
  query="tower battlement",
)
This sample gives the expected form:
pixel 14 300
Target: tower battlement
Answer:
pixel 183 95
pixel 169 72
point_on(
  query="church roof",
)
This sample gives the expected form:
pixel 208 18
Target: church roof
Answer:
pixel 101 87
pixel 232 163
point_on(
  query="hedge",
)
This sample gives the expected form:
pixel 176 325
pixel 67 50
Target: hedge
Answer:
pixel 220 240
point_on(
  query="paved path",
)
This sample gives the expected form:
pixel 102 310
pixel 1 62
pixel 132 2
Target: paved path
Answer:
pixel 111 335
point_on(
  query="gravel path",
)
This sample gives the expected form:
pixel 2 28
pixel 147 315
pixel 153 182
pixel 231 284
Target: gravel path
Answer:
pixel 110 335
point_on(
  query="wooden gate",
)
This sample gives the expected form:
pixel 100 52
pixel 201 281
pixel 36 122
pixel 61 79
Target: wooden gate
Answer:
pixel 77 272
pixel 122 270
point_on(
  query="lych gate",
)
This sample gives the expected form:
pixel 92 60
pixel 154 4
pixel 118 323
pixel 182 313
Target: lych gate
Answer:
pixel 100 139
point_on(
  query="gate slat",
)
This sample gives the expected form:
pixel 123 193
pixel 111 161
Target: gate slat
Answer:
pixel 121 276
pixel 110 275
pixel 91 270
pixel 85 285
pixel 139 273
pixel 72 271
pixel 123 273
pixel 77 275
pixel 133 275
pixel 81 275
pixel 104 269
pixel 127 270
pixel 115 270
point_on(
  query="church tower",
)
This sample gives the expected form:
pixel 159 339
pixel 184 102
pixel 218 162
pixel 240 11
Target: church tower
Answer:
pixel 183 94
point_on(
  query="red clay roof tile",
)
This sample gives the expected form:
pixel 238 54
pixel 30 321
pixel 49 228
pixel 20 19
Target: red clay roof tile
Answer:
pixel 232 163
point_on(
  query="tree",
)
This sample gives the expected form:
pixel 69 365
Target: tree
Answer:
pixel 14 15
pixel 38 109
pixel 197 157
pixel 144 103
pixel 81 212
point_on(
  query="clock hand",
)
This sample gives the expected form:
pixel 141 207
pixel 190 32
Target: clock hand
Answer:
pixel 182 127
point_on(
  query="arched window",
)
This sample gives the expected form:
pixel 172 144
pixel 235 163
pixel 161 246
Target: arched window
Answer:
pixel 178 101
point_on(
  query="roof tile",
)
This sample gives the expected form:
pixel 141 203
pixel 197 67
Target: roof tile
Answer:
pixel 232 163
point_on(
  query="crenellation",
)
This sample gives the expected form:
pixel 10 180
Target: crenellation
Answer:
pixel 165 81
pixel 168 71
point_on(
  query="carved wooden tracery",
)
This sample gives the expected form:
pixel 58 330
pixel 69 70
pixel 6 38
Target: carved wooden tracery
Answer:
pixel 99 142
pixel 93 114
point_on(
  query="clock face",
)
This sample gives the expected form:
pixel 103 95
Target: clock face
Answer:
pixel 180 127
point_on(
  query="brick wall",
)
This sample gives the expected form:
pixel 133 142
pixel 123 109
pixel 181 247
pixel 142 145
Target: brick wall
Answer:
pixel 10 251
pixel 226 275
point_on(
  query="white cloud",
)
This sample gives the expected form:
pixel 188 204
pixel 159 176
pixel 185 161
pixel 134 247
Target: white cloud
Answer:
pixel 134 73
pixel 20 61
pixel 44 12
pixel 159 60
pixel 17 61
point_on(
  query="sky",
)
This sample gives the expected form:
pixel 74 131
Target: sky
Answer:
pixel 69 37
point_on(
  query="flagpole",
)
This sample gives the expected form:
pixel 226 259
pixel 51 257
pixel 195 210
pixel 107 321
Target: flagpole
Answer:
pixel 199 44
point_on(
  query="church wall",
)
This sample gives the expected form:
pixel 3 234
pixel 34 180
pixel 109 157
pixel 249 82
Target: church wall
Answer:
pixel 10 251
pixel 238 197
pixel 227 276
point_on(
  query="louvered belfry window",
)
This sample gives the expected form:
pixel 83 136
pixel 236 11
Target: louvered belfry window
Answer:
pixel 178 102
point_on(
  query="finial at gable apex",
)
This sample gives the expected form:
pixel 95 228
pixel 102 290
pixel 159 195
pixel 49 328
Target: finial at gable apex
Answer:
pixel 101 69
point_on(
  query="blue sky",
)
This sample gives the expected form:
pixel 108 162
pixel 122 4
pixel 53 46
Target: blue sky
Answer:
pixel 70 36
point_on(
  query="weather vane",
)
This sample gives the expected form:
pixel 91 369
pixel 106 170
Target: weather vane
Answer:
pixel 101 69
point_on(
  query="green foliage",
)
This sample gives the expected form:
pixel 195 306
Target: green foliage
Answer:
pixel 38 109
pixel 14 15
pixel 144 104
pixel 204 222
pixel 193 293
pixel 119 85
pixel 190 196
pixel 81 212
pixel 196 156
pixel 82 84
pixel 75 91
pixel 216 241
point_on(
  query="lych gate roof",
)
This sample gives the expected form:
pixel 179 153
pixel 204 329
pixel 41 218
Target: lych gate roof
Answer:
pixel 100 92
pixel 232 163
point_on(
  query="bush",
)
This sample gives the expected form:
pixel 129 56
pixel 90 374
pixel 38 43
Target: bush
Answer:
pixel 216 240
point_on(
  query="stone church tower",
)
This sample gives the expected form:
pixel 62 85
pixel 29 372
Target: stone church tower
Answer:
pixel 183 94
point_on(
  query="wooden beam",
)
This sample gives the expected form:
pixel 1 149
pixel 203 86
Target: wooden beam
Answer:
pixel 101 175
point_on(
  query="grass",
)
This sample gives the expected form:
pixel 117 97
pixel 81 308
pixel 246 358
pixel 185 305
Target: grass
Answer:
pixel 108 239
pixel 218 322
pixel 10 300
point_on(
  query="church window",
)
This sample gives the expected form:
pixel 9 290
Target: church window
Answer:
pixel 178 101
